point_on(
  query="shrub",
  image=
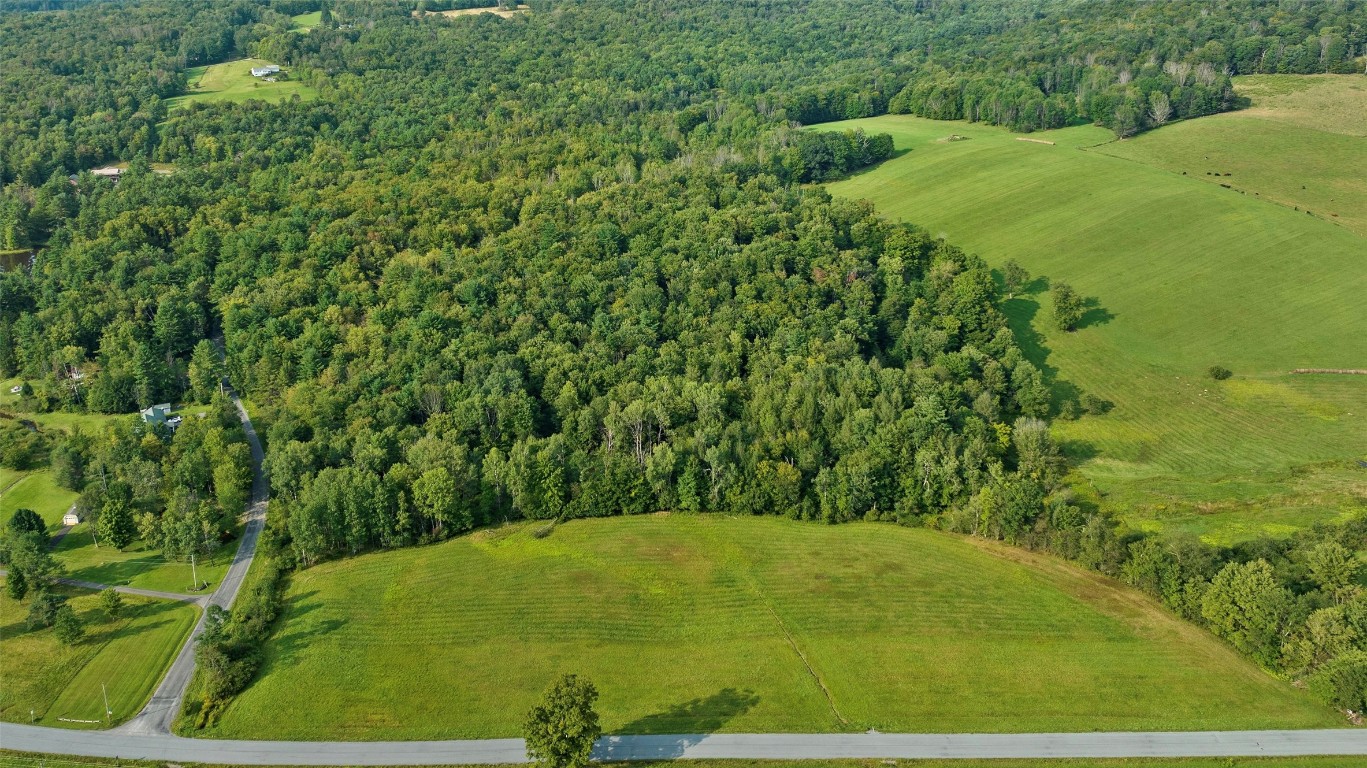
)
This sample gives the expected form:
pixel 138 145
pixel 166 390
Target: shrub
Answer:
pixel 1219 372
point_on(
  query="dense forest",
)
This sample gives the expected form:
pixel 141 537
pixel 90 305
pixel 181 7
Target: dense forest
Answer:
pixel 566 265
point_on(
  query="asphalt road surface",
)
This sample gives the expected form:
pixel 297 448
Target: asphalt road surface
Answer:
pixel 739 746
pixel 155 719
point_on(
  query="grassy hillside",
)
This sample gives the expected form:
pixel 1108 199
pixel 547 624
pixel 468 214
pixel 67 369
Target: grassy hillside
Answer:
pixel 1186 274
pixel 1301 144
pixel 709 623
pixel 233 81
pixel 128 656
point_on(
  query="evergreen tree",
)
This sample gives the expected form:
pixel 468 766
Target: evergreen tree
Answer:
pixel 116 524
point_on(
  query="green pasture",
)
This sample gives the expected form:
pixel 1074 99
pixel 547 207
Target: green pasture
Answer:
pixel 232 81
pixel 1330 103
pixel 306 21
pixel 713 623
pixel 1184 274
pixel 1306 157
pixel 128 656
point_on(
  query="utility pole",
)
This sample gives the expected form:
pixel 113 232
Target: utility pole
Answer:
pixel 107 711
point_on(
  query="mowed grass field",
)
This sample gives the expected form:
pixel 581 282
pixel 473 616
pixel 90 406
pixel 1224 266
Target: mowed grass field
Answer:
pixel 128 656
pixel 712 623
pixel 1186 274
pixel 1302 143
pixel 233 81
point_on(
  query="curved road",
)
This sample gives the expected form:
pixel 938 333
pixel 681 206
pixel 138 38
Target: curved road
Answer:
pixel 148 735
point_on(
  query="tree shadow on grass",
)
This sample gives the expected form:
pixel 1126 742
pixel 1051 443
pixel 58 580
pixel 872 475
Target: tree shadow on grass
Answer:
pixel 668 734
pixel 1095 314
pixel 288 645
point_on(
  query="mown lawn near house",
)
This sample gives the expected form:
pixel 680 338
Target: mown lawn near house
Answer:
pixel 713 623
pixel 232 81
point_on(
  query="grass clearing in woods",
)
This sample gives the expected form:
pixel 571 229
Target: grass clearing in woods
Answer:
pixel 703 623
pixel 232 81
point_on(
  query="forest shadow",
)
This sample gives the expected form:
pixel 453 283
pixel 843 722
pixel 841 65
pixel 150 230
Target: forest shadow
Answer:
pixel 289 645
pixel 657 736
pixel 705 715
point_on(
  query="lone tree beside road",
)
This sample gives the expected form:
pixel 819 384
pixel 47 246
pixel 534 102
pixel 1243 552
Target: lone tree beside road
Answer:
pixel 561 730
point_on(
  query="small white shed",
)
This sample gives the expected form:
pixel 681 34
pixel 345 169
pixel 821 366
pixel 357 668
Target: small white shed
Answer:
pixel 71 518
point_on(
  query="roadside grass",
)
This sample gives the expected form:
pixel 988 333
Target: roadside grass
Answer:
pixel 1308 157
pixel 232 81
pixel 128 656
pixel 1186 275
pixel 29 760
pixel 692 624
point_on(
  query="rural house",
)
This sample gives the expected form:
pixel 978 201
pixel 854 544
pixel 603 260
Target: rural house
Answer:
pixel 156 414
pixel 269 69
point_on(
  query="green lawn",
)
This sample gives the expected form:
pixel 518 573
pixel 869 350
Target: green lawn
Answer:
pixel 696 623
pixel 36 491
pixel 306 21
pixel 1186 275
pixel 128 656
pixel 138 565
pixel 233 81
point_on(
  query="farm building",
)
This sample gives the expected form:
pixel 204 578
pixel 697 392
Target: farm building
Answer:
pixel 269 69
pixel 109 172
pixel 71 518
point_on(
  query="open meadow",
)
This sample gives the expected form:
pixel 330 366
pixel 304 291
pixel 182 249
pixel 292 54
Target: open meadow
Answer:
pixel 712 623
pixel 1185 274
pixel 127 655
pixel 1302 144
pixel 232 81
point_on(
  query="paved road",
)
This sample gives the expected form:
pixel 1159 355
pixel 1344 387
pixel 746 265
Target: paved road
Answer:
pixel 155 719
pixel 739 746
